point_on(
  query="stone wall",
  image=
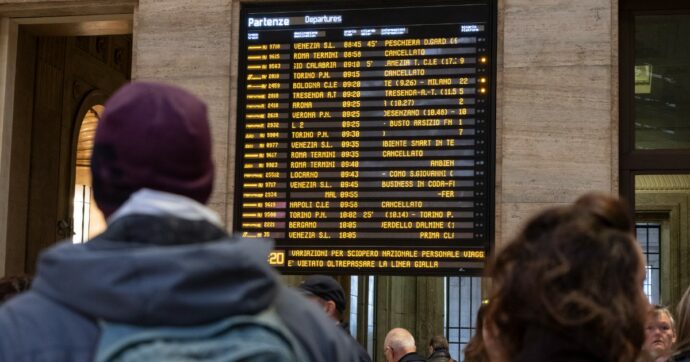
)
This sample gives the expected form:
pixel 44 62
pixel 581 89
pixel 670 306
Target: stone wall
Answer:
pixel 188 43
pixel 557 108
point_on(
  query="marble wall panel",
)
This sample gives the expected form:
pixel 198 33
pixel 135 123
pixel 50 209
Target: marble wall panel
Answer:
pixel 556 33
pixel 187 43
pixel 180 38
pixel 557 105
pixel 615 99
pixel 556 136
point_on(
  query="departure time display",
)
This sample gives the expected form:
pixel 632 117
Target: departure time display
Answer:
pixel 366 136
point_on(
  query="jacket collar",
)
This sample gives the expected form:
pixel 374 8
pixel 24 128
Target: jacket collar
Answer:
pixel 440 352
pixel 159 203
pixel 412 357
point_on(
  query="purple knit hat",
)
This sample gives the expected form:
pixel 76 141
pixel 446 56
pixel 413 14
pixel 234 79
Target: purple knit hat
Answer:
pixel 152 136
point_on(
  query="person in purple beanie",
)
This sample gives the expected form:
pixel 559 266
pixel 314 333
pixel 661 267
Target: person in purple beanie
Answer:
pixel 165 259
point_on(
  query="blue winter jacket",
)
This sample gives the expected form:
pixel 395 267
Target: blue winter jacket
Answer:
pixel 156 270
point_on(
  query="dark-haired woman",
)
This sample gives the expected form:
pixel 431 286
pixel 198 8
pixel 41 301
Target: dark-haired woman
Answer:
pixel 569 287
pixel 475 350
pixel 682 346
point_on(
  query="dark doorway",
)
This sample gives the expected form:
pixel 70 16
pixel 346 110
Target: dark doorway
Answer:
pixel 58 81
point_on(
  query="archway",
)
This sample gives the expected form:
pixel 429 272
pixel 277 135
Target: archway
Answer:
pixel 88 220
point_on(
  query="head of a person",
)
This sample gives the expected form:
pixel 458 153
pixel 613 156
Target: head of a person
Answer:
pixel 13 285
pixel 437 342
pixel 326 292
pixel 475 350
pixel 660 333
pixel 153 136
pixel 398 343
pixel 683 323
pixel 575 271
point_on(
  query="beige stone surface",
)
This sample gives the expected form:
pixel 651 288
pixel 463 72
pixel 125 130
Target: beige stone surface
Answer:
pixel 556 105
pixel 615 101
pixel 557 33
pixel 556 140
pixel 187 43
pixel 515 215
pixel 498 182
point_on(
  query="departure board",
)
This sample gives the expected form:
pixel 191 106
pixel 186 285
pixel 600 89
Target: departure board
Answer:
pixel 366 135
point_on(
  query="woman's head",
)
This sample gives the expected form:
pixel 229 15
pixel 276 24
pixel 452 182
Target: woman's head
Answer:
pixel 683 324
pixel 475 350
pixel 577 271
pixel 660 333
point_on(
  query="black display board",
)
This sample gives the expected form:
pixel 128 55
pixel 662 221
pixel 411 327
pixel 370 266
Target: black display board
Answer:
pixel 365 135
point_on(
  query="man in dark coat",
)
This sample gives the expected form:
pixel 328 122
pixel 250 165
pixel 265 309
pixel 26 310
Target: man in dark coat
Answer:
pixel 329 294
pixel 438 350
pixel 165 259
pixel 399 346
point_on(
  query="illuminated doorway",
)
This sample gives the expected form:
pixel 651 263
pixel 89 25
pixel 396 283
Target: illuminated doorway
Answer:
pixel 88 219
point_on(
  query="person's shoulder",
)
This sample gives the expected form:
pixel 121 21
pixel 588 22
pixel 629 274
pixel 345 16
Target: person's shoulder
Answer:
pixel 682 356
pixel 361 352
pixel 412 357
pixel 321 338
pixel 34 327
pixel 22 309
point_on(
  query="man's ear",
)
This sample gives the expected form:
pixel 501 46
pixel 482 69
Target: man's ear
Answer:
pixel 330 308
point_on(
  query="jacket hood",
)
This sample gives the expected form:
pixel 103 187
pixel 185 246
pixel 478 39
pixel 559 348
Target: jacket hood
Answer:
pixel 147 284
pixel 163 260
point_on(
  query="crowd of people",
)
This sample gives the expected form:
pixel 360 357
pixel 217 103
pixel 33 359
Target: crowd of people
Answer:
pixel 166 282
